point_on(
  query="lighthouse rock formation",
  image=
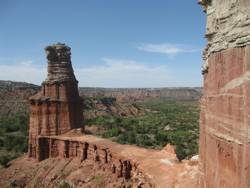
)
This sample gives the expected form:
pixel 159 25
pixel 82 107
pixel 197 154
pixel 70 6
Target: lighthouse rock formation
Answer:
pixel 57 109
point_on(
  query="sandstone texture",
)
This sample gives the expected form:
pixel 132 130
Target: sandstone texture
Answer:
pixel 78 159
pixel 227 26
pixel 224 149
pixel 57 109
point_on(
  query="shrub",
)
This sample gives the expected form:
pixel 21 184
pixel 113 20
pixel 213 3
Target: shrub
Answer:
pixel 14 123
pixel 5 158
pixel 64 185
pixel 88 132
pixel 1 142
pixel 16 143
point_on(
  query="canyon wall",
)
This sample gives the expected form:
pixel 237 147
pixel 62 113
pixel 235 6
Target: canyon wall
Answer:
pixel 225 114
pixel 149 168
pixel 75 145
pixel 68 158
pixel 109 107
pixel 134 94
pixel 14 96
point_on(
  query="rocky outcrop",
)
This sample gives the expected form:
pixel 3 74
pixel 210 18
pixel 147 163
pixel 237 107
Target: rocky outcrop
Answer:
pixel 224 121
pixel 57 109
pixel 72 152
pixel 227 26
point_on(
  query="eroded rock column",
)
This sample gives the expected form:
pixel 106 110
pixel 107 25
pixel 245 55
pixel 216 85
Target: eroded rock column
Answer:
pixel 225 106
pixel 57 109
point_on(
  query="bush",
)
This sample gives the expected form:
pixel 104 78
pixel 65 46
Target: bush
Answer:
pixel 64 185
pixel 161 136
pixel 16 143
pixel 4 159
pixel 131 140
pixel 14 123
pixel 114 131
pixel 1 142
pixel 88 132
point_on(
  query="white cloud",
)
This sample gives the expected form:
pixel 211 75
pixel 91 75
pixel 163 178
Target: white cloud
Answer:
pixel 123 73
pixel 170 49
pixel 26 63
pixel 112 74
pixel 23 71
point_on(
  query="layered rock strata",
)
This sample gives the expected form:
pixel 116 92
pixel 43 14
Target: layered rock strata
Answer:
pixel 137 94
pixel 56 131
pixel 150 168
pixel 57 109
pixel 225 115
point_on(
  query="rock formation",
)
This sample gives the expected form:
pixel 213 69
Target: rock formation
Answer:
pixel 224 154
pixel 69 155
pixel 224 121
pixel 56 131
pixel 57 109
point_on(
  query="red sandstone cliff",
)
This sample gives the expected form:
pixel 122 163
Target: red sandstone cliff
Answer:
pixel 57 109
pixel 224 121
pixel 81 159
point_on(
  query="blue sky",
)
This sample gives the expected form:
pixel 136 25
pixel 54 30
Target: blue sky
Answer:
pixel 114 43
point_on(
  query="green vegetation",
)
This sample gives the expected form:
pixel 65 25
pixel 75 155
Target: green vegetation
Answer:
pixel 95 98
pixel 5 158
pixel 14 123
pixel 62 173
pixel 13 138
pixel 162 122
pixel 45 166
pixel 64 185
pixel 97 181
pixel 16 143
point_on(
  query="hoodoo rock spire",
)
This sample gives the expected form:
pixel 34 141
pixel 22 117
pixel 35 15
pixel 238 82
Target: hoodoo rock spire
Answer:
pixel 57 109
